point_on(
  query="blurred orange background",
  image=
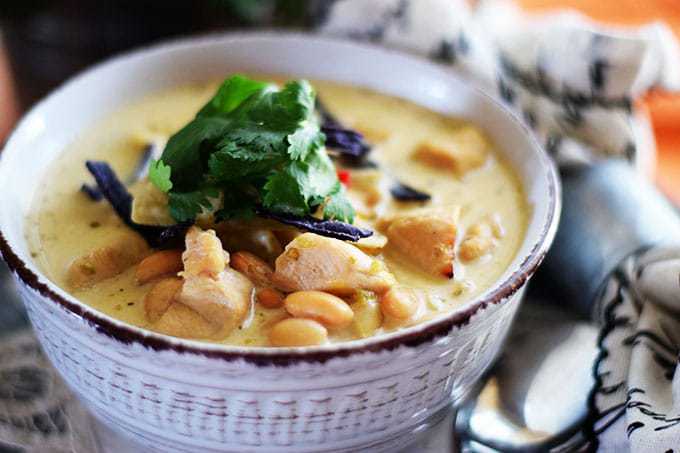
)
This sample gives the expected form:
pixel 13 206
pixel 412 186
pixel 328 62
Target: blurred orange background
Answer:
pixel 664 107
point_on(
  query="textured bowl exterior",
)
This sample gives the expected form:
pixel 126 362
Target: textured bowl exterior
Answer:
pixel 172 401
pixel 173 394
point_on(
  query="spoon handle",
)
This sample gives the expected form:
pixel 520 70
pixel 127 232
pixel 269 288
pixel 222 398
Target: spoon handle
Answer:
pixel 608 212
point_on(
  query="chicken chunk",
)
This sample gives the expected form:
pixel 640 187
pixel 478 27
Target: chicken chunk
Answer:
pixel 313 262
pixel 161 297
pixel 183 322
pixel 107 261
pixel 216 292
pixel 426 236
pixel 480 239
pixel 223 300
pixel 203 255
pixel 462 150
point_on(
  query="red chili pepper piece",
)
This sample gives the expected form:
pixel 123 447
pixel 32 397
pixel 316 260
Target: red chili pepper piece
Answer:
pixel 345 177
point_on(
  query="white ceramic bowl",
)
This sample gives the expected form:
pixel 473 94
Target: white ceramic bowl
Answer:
pixel 181 395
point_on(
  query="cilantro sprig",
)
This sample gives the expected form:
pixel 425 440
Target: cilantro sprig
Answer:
pixel 253 144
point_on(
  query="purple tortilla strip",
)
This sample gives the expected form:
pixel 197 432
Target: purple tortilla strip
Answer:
pixel 120 200
pixel 328 228
pixel 402 192
pixel 137 174
pixel 91 191
pixel 345 141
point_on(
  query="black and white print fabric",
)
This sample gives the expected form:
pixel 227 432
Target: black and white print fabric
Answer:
pixel 636 403
pixel 38 413
pixel 571 80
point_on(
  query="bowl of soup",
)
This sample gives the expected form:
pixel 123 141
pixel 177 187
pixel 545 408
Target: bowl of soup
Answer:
pixel 272 241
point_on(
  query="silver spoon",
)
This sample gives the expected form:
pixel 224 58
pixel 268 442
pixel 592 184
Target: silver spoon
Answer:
pixel 535 399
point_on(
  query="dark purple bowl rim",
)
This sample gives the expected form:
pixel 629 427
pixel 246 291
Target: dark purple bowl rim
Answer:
pixel 126 334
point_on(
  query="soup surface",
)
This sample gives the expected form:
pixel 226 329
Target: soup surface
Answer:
pixel 477 204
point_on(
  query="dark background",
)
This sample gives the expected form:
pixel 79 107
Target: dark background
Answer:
pixel 47 41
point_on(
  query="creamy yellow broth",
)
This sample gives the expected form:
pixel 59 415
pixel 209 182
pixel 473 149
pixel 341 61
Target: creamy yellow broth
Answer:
pixel 66 224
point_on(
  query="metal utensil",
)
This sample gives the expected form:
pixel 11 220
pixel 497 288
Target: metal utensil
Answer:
pixel 535 397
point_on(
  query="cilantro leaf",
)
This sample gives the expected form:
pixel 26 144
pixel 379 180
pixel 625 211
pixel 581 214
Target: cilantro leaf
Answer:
pixel 315 177
pixel 159 175
pixel 282 194
pixel 337 207
pixel 182 152
pixel 304 140
pixel 280 122
pixel 231 162
pixel 236 204
pixel 185 206
pixel 230 95
pixel 281 110
pixel 304 185
pixel 258 145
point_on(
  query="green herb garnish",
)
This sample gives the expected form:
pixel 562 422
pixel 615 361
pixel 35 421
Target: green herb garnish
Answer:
pixel 252 144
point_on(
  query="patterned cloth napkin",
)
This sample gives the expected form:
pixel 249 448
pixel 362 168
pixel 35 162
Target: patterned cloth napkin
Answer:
pixel 636 403
pixel 574 83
